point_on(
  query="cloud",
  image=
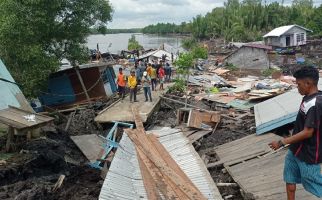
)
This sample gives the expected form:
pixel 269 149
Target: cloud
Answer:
pixel 140 13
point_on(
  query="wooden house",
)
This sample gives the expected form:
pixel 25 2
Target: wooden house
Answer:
pixel 65 88
pixel 287 36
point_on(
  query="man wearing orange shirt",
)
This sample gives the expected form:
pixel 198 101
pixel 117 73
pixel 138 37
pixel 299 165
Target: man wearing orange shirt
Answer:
pixel 121 83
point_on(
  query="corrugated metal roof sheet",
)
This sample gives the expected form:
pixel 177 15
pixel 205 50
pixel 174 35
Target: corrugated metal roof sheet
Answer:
pixel 10 93
pixel 124 180
pixel 277 32
pixel 278 111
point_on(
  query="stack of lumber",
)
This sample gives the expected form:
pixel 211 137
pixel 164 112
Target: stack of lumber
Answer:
pixel 162 176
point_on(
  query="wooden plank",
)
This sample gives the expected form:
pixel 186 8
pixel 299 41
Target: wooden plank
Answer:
pixel 197 135
pixel 90 145
pixel 143 143
pixel 141 140
pixel 39 117
pixel 168 159
pixel 152 178
pixel 263 177
pixel 12 123
pixel 9 138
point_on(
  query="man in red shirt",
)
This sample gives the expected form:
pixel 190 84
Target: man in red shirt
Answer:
pixel 121 83
pixel 161 76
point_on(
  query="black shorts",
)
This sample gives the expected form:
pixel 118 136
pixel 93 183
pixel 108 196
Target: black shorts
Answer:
pixel 121 89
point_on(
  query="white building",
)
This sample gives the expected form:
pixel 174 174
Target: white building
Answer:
pixel 287 36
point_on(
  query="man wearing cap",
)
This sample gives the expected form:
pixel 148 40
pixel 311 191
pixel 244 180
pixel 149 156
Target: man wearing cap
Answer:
pixel 132 83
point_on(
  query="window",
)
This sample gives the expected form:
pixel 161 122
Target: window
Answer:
pixel 299 38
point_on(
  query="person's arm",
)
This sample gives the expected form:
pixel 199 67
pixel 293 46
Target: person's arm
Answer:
pixel 310 125
pixel 303 135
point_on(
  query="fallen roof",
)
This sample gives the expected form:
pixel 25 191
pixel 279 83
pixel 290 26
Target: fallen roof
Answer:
pixel 258 46
pixel 277 32
pixel 87 65
pixel 124 179
pixel 10 92
pixel 158 54
pixel 278 111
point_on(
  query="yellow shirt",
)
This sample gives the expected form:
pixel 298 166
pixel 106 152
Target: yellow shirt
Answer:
pixel 149 70
pixel 132 82
pixel 153 73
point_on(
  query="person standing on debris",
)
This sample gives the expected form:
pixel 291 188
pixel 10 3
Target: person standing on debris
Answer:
pixel 167 72
pixel 133 86
pixel 153 78
pixel 161 77
pixel 138 75
pixel 303 162
pixel 146 83
pixel 149 69
pixel 121 83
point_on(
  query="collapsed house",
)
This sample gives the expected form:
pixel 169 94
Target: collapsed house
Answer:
pixel 250 56
pixel 287 36
pixel 72 85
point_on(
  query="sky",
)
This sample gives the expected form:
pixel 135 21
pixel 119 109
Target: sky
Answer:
pixel 140 13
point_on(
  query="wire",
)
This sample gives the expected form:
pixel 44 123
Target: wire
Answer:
pixel 5 80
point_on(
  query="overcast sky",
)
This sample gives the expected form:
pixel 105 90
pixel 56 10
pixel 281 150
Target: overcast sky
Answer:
pixel 140 13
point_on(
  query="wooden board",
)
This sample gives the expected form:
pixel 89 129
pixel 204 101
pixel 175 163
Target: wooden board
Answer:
pixel 90 145
pixel 244 148
pixel 14 117
pixel 198 119
pixel 262 178
pixel 197 135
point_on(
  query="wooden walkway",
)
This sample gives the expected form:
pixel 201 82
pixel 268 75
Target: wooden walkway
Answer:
pixel 122 112
pixel 258 172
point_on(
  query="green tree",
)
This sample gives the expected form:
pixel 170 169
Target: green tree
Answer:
pixel 199 52
pixel 36 35
pixel 133 44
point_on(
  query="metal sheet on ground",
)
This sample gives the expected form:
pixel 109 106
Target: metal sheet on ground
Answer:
pixel 90 145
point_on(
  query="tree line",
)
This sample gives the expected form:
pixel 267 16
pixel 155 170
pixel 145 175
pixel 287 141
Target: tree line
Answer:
pixel 248 20
pixel 36 35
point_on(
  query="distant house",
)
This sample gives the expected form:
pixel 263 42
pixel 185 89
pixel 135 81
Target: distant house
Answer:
pixel 250 56
pixel 287 36
pixel 64 87
pixel 10 92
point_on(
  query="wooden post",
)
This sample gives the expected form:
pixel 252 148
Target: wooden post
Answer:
pixel 82 83
pixel 9 138
pixel 186 100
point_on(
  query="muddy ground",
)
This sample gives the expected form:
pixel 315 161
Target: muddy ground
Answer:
pixel 31 173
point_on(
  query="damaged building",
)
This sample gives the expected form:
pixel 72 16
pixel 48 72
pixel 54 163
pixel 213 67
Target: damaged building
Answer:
pixel 250 56
pixel 65 86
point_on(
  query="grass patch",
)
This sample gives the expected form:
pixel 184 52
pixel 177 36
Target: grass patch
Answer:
pixel 269 72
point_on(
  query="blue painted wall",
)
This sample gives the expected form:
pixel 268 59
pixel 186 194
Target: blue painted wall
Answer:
pixel 60 91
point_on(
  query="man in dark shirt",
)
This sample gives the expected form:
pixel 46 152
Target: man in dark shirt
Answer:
pixel 303 160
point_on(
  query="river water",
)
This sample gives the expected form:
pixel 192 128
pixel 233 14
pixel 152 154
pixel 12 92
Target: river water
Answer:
pixel 115 43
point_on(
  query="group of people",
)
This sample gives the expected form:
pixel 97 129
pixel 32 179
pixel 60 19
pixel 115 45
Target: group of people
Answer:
pixel 148 76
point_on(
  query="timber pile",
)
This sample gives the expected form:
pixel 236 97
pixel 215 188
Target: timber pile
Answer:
pixel 162 176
